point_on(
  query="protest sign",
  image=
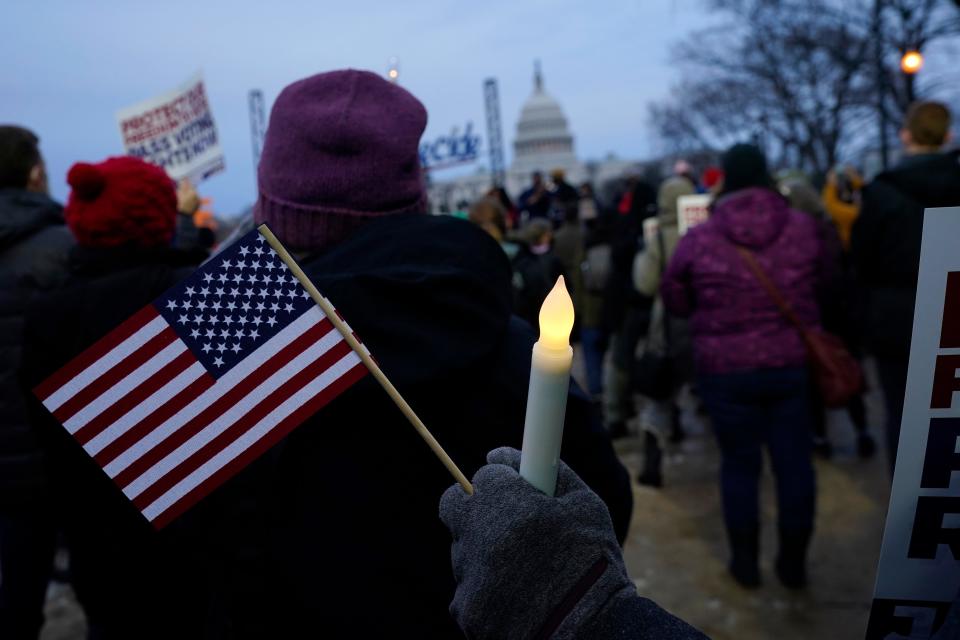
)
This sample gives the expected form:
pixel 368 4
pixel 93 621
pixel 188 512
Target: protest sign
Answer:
pixel 175 131
pixel 919 572
pixel 692 210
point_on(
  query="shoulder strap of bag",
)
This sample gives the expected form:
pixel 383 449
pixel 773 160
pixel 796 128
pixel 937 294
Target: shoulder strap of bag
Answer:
pixel 751 261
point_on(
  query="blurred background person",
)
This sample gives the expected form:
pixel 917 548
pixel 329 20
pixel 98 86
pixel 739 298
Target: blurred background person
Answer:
pixel 751 361
pixel 668 340
pixel 123 214
pixel 563 197
pixel 510 211
pixel 33 254
pixel 626 313
pixel 841 199
pixel 535 269
pixel 885 246
pixel 838 310
pixel 535 201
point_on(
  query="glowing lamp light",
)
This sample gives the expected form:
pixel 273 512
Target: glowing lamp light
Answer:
pixel 911 62
pixel 556 317
pixel 394 74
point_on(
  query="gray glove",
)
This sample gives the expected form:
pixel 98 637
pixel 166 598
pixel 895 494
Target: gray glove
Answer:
pixel 526 564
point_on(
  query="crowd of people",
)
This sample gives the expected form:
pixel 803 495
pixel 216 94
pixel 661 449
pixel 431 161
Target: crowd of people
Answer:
pixel 337 525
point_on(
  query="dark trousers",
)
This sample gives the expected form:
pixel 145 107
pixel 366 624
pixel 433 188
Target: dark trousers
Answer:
pixel 893 379
pixel 594 343
pixel 750 410
pixel 27 545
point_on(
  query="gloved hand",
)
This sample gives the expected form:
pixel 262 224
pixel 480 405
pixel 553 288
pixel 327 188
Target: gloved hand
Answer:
pixel 528 565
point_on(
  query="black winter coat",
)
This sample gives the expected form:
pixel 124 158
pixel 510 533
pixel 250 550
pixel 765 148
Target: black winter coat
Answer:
pixel 885 245
pixel 33 251
pixel 335 531
pixel 124 574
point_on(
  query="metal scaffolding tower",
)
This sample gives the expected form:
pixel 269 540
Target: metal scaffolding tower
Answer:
pixel 258 125
pixel 494 134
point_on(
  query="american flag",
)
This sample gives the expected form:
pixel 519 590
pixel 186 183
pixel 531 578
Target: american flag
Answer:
pixel 199 383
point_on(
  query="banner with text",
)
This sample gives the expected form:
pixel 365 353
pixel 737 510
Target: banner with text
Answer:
pixel 692 210
pixel 919 573
pixel 175 131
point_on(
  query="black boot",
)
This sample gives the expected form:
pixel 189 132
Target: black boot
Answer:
pixel 652 473
pixel 745 551
pixel 792 560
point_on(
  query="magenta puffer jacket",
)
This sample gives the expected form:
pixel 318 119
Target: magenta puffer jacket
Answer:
pixel 735 324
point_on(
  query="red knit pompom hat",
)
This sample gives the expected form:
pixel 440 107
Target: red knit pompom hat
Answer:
pixel 121 201
pixel 342 149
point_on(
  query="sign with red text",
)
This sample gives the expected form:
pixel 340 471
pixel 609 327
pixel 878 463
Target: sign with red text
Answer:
pixel 175 131
pixel 919 572
pixel 692 210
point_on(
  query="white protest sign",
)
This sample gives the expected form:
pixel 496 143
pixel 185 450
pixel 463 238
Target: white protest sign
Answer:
pixel 175 131
pixel 919 573
pixel 692 210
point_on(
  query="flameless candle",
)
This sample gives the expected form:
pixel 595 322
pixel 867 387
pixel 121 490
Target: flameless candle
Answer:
pixel 547 394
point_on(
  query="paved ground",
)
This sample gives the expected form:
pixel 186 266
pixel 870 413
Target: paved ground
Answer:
pixel 676 550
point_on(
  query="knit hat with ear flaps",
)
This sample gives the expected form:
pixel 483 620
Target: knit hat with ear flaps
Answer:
pixel 342 149
pixel 121 201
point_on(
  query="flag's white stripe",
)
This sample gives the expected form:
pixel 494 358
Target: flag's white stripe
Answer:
pixel 251 436
pixel 124 386
pixel 245 367
pixel 106 362
pixel 136 415
pixel 225 420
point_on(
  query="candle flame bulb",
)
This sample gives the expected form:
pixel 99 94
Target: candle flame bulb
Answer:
pixel 556 317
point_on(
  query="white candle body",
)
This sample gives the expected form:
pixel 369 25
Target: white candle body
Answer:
pixel 546 408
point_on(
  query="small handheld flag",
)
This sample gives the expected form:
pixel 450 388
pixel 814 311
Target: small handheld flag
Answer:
pixel 202 381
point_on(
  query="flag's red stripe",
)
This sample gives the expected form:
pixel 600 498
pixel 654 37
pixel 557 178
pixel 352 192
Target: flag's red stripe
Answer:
pixel 155 419
pixel 222 404
pixel 137 395
pixel 283 428
pixel 112 376
pixel 241 426
pixel 97 351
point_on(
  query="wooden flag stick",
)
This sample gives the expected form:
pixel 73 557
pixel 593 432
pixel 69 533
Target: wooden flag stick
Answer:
pixel 347 334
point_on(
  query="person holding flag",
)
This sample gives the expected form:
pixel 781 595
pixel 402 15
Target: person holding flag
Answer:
pixel 300 524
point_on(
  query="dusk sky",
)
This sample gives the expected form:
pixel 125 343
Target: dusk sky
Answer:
pixel 69 66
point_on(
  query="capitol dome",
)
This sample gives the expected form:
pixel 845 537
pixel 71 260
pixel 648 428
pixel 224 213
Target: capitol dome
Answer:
pixel 543 141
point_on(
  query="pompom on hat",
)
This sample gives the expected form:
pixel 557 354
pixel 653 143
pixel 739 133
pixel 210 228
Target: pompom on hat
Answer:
pixel 121 201
pixel 341 150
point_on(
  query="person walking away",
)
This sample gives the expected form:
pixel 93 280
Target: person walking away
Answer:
pixel 33 252
pixel 837 313
pixel 123 215
pixel 595 272
pixel 667 336
pixel 751 361
pixel 885 246
pixel 626 313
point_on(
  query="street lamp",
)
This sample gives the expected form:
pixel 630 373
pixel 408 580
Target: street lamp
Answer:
pixel 911 62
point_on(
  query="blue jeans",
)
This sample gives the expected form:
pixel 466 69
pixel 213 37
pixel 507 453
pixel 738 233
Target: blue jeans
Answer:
pixel 593 350
pixel 753 409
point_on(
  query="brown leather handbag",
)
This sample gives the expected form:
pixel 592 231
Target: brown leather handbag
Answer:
pixel 837 373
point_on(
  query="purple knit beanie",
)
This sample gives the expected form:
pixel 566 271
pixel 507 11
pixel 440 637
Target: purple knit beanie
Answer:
pixel 341 150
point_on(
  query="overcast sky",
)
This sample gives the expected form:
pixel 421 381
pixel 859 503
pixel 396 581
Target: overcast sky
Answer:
pixel 70 65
